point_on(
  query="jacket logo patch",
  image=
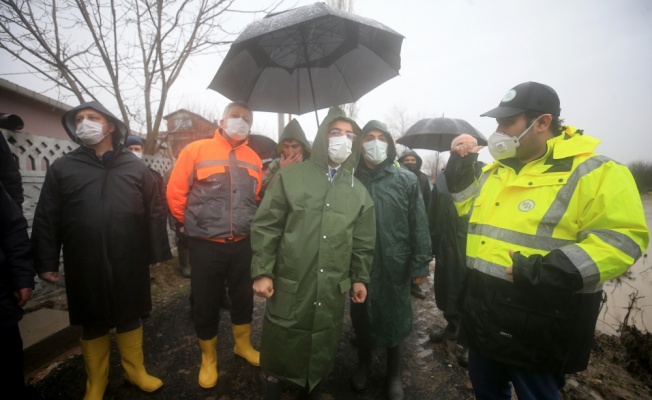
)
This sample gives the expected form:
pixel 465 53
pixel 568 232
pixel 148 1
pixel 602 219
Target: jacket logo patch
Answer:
pixel 508 335
pixel 526 205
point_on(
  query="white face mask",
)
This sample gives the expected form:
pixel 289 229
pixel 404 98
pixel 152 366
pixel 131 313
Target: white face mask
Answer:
pixel 137 154
pixel 375 151
pixel 90 132
pixel 502 146
pixel 237 128
pixel 339 149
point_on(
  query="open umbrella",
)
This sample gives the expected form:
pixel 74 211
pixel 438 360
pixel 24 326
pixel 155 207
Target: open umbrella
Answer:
pixel 308 58
pixel 438 134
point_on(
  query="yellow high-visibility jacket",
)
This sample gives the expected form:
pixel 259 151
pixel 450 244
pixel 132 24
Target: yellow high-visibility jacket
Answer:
pixel 574 219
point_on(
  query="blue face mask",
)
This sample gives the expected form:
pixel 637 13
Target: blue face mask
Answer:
pixel 502 146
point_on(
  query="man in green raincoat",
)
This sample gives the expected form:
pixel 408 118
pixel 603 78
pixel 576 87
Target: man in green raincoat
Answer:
pixel 313 240
pixel 402 257
pixel 293 147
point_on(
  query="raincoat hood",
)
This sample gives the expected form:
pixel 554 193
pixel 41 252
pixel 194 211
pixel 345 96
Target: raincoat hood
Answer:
pixel 411 153
pixel 319 154
pixel 68 120
pixel 293 131
pixel 391 147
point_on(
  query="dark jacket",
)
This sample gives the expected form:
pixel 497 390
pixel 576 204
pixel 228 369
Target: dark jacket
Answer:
pixel 313 238
pixel 402 246
pixel 9 173
pixel 110 221
pixel 16 268
pixel 448 237
pixel 424 181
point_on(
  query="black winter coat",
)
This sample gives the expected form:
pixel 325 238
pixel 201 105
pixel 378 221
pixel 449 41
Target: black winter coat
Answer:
pixel 111 223
pixel 16 269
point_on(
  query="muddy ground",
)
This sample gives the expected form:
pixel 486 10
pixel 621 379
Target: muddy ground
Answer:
pixel 430 370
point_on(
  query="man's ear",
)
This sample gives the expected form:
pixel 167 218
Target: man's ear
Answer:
pixel 111 127
pixel 543 123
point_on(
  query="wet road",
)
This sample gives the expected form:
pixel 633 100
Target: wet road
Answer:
pixel 172 354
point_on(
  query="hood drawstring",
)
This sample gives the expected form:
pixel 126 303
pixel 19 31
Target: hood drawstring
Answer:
pixel 352 174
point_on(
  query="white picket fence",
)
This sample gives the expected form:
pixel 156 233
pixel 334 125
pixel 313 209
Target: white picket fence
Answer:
pixel 35 153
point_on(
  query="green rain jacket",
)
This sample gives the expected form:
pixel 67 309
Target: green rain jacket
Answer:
pixel 313 238
pixel 291 131
pixel 402 246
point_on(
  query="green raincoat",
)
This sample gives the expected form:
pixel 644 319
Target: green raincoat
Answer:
pixel 402 246
pixel 313 238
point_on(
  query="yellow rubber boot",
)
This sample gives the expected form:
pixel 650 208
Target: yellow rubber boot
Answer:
pixel 241 335
pixel 130 345
pixel 208 372
pixel 96 361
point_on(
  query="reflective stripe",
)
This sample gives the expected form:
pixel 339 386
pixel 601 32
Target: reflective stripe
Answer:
pixel 586 267
pixel 489 268
pixel 206 163
pixel 591 282
pixel 247 165
pixel 465 194
pixel 615 239
pixel 559 206
pixel 519 238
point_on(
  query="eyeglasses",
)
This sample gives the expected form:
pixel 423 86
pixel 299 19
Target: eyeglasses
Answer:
pixel 338 132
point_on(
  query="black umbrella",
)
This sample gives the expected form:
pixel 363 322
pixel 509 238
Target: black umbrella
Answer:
pixel 438 134
pixel 307 59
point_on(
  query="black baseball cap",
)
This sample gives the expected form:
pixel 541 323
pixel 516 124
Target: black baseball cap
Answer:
pixel 528 96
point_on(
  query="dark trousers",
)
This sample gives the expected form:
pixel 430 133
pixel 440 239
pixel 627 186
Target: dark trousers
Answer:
pixel 213 263
pixel 12 379
pixel 360 322
pixel 493 380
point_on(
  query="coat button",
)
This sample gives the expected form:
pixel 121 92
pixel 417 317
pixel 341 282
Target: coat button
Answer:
pixel 324 236
pixel 321 270
pixel 497 204
pixel 530 183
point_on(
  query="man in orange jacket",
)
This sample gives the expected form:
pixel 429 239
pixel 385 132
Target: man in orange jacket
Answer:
pixel 213 194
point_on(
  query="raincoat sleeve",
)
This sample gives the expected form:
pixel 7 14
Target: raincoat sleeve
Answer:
pixel 159 245
pixel 267 229
pixel 612 237
pixel 179 186
pixel 46 234
pixel 364 241
pixel 421 251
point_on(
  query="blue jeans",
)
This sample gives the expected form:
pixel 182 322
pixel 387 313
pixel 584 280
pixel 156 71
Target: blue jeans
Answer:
pixel 493 380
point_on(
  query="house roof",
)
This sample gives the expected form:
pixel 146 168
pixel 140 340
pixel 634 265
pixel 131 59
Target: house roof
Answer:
pixel 14 88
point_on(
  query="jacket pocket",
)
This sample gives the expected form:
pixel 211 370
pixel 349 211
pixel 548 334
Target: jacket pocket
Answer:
pixel 281 304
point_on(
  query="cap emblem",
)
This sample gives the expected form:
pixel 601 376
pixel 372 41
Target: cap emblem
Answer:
pixel 509 96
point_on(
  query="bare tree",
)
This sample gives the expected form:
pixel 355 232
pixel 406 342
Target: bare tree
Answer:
pixel 132 51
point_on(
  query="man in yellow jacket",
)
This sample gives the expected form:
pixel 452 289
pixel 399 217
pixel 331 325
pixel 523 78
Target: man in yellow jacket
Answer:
pixel 550 222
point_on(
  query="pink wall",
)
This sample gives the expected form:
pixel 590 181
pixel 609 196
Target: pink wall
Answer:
pixel 39 118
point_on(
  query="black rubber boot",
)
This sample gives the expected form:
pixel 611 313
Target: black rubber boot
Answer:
pixel 361 374
pixel 272 388
pixel 394 381
pixel 449 333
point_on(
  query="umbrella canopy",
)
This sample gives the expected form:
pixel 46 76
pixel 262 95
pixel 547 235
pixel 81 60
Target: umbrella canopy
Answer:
pixel 307 59
pixel 438 134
